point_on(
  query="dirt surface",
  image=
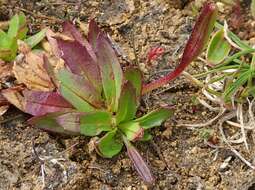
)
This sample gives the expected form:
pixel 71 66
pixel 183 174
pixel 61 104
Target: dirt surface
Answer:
pixel 178 156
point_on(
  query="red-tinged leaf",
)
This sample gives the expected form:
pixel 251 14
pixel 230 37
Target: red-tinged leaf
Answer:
pixel 111 72
pixel 70 30
pixel 49 123
pixel 195 45
pixel 93 33
pixel 80 86
pixel 79 61
pixel 70 121
pixel 127 104
pixel 14 96
pixel 134 76
pixel 40 103
pixel 140 165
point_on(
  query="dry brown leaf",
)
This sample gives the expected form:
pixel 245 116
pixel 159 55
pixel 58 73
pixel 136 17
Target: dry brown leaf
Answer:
pixel 14 96
pixel 5 70
pixel 30 71
pixel 23 47
pixel 3 109
pixel 4 105
pixel 4 25
pixel 3 100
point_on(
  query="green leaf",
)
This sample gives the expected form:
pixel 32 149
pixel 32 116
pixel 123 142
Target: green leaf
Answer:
pixel 251 91
pixel 111 72
pixel 75 100
pixel 154 118
pixel 220 68
pixel 132 130
pixel 218 48
pixel 8 47
pixel 78 91
pixel 134 76
pixel 17 27
pixel 5 40
pixel 233 87
pixel 235 38
pixel 109 145
pixel 127 104
pixel 32 41
pixel 93 124
pixel 146 137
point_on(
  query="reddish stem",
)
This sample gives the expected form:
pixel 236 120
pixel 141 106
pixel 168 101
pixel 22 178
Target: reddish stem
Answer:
pixel 195 45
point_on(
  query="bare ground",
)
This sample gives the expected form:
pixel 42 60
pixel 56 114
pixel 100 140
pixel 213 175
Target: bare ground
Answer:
pixel 178 156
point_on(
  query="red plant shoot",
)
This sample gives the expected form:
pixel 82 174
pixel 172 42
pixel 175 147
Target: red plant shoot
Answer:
pixel 154 53
pixel 195 45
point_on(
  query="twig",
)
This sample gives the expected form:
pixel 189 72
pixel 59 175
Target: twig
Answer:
pixel 234 124
pixel 228 117
pixel 223 110
pixel 205 104
pixel 11 118
pixel 240 118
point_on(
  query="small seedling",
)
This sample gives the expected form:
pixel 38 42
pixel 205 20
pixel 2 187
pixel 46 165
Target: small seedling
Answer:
pixel 229 84
pixel 17 31
pixel 231 77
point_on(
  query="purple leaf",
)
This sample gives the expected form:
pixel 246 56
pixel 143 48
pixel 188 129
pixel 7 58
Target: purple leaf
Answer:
pixel 49 122
pixel 195 45
pixel 79 61
pixel 140 165
pixel 40 103
pixel 70 30
pixel 93 33
pixel 70 121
